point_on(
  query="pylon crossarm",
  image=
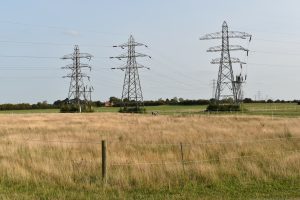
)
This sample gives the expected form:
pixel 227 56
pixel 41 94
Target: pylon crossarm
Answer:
pixel 231 48
pixel 86 55
pixel 123 68
pixel 142 66
pixel 70 56
pixel 125 55
pixel 135 44
pixel 79 76
pixel 141 55
pixel 238 34
pixel 129 56
pixel 70 66
pixel 210 36
pixel 80 55
pixel 85 66
pixel 231 34
pixel 233 60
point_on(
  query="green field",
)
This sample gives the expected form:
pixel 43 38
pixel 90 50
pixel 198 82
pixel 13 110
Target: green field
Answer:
pixel 272 109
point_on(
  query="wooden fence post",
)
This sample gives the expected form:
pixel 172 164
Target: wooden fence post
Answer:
pixel 182 158
pixel 104 160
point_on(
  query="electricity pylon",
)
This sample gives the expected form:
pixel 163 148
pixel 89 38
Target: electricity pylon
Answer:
pixel 77 89
pixel 132 95
pixel 239 80
pixel 226 78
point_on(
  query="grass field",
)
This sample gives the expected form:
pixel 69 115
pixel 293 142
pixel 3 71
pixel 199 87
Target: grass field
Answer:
pixel 57 156
pixel 275 109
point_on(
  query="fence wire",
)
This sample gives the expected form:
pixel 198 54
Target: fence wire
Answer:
pixel 193 162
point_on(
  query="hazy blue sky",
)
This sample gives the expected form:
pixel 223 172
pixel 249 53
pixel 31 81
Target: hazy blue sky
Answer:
pixel 180 65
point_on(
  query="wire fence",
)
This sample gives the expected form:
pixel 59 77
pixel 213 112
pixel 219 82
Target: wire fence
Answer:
pixel 117 141
pixel 101 161
pixel 193 162
pixel 212 142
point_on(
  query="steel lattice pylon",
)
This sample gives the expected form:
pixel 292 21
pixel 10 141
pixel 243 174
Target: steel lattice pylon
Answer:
pixel 239 80
pixel 132 94
pixel 77 90
pixel 226 79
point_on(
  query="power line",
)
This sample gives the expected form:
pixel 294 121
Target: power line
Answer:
pixel 171 63
pixel 278 41
pixel 162 162
pixel 274 65
pixel 277 53
pixel 213 142
pixel 29 77
pixel 41 68
pixel 35 57
pixel 38 57
pixel 58 27
pixel 50 43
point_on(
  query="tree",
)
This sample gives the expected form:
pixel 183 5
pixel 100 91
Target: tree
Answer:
pixel 248 100
pixel 114 100
pixel 174 101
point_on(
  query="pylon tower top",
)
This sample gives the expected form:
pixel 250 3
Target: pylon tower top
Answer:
pixel 132 95
pixel 227 87
pixel 77 89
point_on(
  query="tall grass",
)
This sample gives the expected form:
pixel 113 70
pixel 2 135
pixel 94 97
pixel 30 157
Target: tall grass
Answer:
pixel 63 150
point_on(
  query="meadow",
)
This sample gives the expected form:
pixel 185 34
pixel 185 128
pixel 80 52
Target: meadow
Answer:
pixel 58 156
pixel 268 109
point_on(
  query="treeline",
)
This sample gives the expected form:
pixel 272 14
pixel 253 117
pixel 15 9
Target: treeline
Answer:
pixel 180 101
pixel 27 106
pixel 116 102
pixel 249 100
pixel 60 103
pixel 42 105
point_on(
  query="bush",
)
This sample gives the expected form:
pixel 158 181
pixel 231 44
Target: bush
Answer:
pixel 132 110
pixel 73 108
pixel 223 108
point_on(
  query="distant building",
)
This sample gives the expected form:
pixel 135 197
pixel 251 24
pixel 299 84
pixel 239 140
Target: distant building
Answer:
pixel 108 104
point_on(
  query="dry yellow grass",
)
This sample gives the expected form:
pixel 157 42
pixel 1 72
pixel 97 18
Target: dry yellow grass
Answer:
pixel 214 141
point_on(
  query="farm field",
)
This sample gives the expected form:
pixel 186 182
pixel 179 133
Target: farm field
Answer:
pixel 275 109
pixel 58 156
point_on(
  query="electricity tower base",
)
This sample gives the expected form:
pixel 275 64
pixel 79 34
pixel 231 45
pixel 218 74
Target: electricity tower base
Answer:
pixel 74 108
pixel 223 108
pixel 132 110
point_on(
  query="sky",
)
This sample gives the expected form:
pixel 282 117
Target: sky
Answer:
pixel 35 34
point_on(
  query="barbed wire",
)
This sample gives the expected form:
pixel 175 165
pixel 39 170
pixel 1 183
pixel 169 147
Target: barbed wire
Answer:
pixel 64 160
pixel 112 140
pixel 57 141
pixel 189 162
pixel 214 142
